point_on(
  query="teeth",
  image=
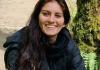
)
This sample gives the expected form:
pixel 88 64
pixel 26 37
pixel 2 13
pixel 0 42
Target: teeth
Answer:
pixel 50 26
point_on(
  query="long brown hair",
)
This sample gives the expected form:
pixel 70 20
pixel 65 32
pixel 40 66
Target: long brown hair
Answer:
pixel 31 52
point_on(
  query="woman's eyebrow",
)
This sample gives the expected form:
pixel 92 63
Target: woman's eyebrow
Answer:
pixel 49 11
pixel 45 10
pixel 59 13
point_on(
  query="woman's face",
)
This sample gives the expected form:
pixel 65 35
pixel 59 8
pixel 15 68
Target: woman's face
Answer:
pixel 51 19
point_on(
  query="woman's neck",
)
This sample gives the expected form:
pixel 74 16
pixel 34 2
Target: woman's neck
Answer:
pixel 52 39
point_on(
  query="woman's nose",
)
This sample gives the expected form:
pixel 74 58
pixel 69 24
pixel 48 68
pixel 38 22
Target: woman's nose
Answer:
pixel 52 19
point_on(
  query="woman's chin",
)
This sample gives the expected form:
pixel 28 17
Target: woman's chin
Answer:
pixel 50 34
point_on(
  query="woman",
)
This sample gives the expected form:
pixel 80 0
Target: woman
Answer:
pixel 45 44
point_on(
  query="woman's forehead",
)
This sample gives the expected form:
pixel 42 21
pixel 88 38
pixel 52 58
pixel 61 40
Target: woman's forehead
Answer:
pixel 52 6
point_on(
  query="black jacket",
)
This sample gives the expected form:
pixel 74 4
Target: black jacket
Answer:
pixel 66 57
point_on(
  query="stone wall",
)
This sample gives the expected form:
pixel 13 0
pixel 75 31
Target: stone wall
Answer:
pixel 15 13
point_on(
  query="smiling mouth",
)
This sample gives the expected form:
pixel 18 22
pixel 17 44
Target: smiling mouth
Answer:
pixel 51 26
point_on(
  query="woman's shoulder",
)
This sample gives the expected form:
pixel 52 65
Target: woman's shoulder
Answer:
pixel 15 38
pixel 71 42
pixel 71 46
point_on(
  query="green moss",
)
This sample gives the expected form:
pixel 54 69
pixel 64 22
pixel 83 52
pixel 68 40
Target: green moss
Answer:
pixel 86 32
pixel 86 25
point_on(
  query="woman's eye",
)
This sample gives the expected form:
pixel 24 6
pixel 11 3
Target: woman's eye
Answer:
pixel 58 16
pixel 45 13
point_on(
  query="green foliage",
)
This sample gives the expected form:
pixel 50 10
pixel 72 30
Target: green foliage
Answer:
pixel 91 61
pixel 85 48
pixel 86 25
pixel 86 31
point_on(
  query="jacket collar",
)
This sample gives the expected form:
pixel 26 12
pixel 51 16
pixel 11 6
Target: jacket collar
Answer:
pixel 58 48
